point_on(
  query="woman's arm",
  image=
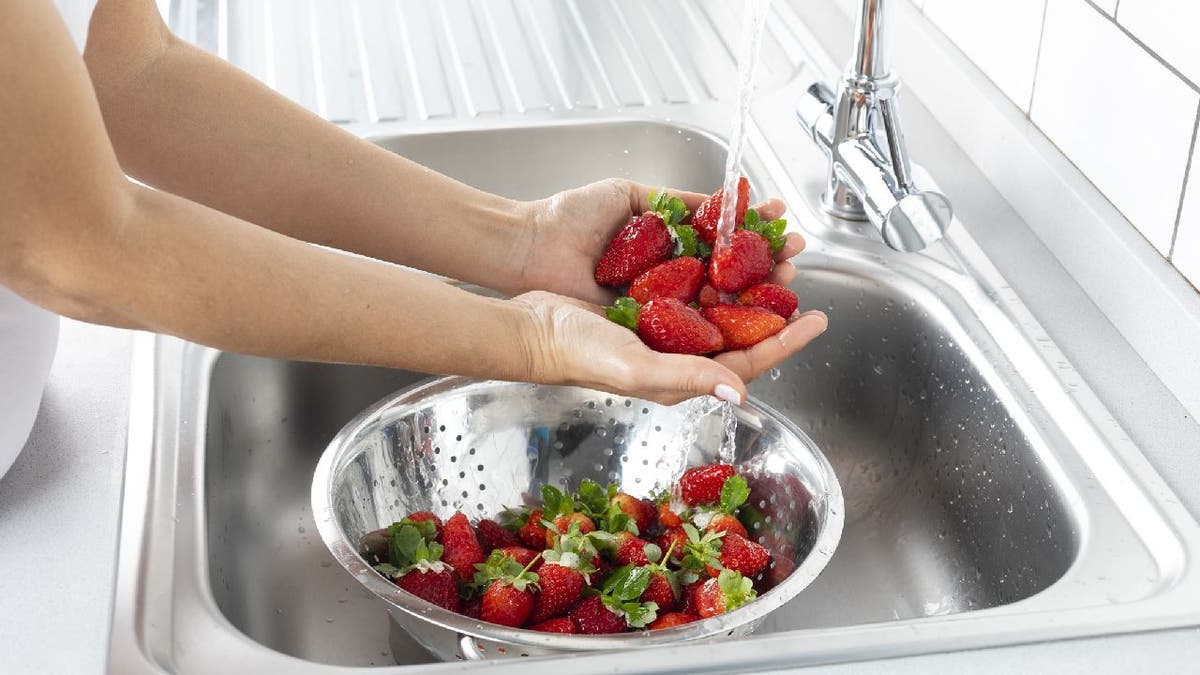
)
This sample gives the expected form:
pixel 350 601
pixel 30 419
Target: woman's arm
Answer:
pixel 185 121
pixel 77 237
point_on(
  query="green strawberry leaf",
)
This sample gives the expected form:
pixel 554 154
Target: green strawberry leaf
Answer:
pixel 388 570
pixel 593 500
pixel 687 242
pixel 738 590
pixel 556 503
pixel 640 615
pixel 403 542
pixel 633 585
pixel 616 578
pixel 625 312
pixel 734 493
pixel 672 209
pixel 703 250
pixel 771 231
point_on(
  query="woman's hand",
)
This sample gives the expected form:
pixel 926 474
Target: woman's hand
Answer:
pixel 572 342
pixel 571 230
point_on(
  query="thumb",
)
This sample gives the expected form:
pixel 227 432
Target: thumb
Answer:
pixel 671 378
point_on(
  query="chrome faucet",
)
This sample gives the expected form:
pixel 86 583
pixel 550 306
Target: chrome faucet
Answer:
pixel 858 127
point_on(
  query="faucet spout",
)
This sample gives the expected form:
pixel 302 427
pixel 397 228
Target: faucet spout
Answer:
pixel 858 127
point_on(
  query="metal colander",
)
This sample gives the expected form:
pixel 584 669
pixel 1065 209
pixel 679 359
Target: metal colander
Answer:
pixel 457 444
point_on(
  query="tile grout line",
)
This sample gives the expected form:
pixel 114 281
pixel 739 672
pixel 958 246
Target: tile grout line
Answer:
pixel 1037 61
pixel 1153 54
pixel 1187 174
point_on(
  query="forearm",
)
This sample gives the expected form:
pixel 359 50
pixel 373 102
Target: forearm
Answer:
pixel 185 121
pixel 180 268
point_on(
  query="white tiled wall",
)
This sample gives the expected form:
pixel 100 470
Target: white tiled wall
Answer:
pixel 1115 84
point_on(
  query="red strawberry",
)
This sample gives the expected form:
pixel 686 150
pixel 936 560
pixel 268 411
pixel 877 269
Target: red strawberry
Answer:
pixel 724 594
pixel 559 625
pixel 672 619
pixel 563 524
pixel 688 595
pixel 593 617
pixel 667 517
pixel 708 215
pixel 462 549
pixel 741 555
pixel 744 262
pixel 659 591
pixel 422 516
pixel 709 296
pixel 433 583
pixel 533 533
pixel 640 244
pixel 743 326
pixel 668 325
pixel 679 278
pixel 774 297
pixel 493 535
pixel 674 539
pixel 632 551
pixel 522 555
pixel 702 484
pixel 642 512
pixel 506 604
pixel 560 588
pixel 723 522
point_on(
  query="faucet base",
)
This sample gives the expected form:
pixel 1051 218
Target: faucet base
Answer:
pixel 846 209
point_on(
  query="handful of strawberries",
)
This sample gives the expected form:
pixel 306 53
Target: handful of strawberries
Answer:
pixel 595 561
pixel 685 298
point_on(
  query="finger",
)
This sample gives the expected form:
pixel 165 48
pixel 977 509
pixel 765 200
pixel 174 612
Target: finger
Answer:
pixel 639 196
pixel 792 245
pixel 752 362
pixel 671 378
pixel 782 274
pixel 771 209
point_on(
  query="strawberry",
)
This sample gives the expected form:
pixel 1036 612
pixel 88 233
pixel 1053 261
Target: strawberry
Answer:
pixel 744 262
pixel 741 555
pixel 643 242
pixel 560 625
pixel 668 325
pixel 673 539
pixel 563 524
pixel 641 511
pixel 373 546
pixel 667 517
pixel 708 216
pixel 703 484
pixel 743 326
pixel 508 596
pixel 679 278
pixel 560 589
pixel 723 594
pixel 636 551
pixel 687 600
pixel 593 617
pixel 493 535
pixel 507 604
pixel 772 231
pixel 462 549
pixel 427 516
pixel 672 619
pixel 435 584
pixel 522 555
pixel 709 296
pixel 723 522
pixel 778 570
pixel 659 590
pixel 532 532
pixel 774 297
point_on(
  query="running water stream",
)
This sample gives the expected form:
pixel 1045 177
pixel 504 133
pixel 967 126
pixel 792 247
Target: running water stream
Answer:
pixel 754 19
pixel 673 461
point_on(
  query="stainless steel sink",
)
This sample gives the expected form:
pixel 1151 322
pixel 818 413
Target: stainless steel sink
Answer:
pixel 990 497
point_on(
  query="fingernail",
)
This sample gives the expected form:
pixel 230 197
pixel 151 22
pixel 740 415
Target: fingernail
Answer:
pixel 727 393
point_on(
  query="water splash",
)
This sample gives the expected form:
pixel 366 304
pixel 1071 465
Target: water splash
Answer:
pixel 671 464
pixel 754 19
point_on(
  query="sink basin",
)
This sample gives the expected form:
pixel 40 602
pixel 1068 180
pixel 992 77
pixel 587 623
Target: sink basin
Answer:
pixel 986 504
